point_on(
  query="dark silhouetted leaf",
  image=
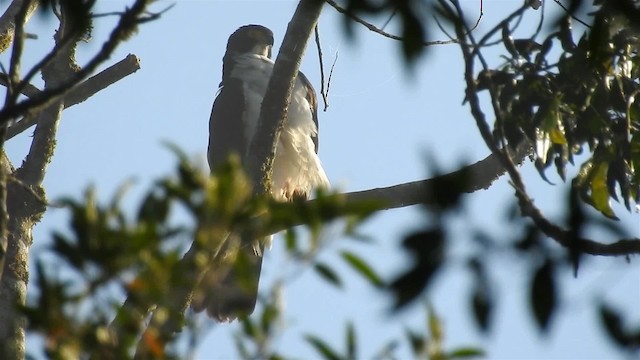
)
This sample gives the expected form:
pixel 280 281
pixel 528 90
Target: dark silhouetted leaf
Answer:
pixel 428 250
pixel 328 274
pixel 542 295
pixel 481 296
pixel 612 321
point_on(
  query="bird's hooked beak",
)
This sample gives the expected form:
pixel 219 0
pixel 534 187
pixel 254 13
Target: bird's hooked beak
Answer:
pixel 262 49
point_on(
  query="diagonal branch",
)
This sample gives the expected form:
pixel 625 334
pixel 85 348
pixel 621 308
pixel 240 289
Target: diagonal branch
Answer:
pixel 8 21
pixel 126 25
pixel 82 91
pixel 278 95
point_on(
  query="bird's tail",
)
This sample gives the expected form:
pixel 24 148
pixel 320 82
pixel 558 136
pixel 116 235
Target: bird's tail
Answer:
pixel 229 288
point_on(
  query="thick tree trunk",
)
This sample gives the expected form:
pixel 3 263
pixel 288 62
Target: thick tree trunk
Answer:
pixel 25 210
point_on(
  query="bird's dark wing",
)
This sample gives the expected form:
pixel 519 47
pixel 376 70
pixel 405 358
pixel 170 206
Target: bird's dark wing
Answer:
pixel 226 128
pixel 229 287
pixel 313 102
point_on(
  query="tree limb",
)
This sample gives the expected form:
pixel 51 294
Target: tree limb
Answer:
pixel 278 96
pixel 127 24
pixel 60 75
pixel 8 23
pixel 82 91
pixel 20 17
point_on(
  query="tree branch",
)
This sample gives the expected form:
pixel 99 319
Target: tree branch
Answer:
pixel 20 18
pixel 82 91
pixel 127 24
pixel 564 237
pixel 8 23
pixel 60 75
pixel 379 31
pixel 278 96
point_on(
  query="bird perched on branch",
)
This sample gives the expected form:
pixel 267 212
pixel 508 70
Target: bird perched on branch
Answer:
pixel 230 290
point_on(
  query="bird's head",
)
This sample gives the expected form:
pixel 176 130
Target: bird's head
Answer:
pixel 253 39
pixel 248 39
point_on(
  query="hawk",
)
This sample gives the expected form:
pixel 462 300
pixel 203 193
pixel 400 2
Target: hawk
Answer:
pixel 228 291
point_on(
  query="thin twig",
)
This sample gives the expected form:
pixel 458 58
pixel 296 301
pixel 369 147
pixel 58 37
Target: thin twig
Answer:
pixel 333 65
pixel 379 31
pixel 539 28
pixel 572 16
pixel 325 100
pixel 393 13
pixel 82 91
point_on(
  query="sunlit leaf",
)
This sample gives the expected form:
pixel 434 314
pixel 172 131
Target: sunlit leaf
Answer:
pixel 435 325
pixel 599 190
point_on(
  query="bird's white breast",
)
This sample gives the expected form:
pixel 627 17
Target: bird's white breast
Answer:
pixel 296 167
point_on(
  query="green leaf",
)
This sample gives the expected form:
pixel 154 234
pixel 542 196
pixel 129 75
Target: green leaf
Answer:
pixel 435 325
pixel 327 273
pixel 465 353
pixel 322 347
pixel 600 191
pixel 362 267
pixel 417 342
pixel 248 327
pixel 351 342
pixel 291 241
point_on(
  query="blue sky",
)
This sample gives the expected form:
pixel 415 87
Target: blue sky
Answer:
pixel 384 126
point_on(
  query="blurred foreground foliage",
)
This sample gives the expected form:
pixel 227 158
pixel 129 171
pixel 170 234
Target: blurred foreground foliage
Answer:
pixel 570 94
pixel 107 255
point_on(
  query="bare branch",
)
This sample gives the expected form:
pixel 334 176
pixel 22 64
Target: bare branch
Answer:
pixel 7 21
pixel 379 31
pixel 572 16
pixel 82 91
pixel 13 77
pixel 29 90
pixel 128 23
pixel 323 92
